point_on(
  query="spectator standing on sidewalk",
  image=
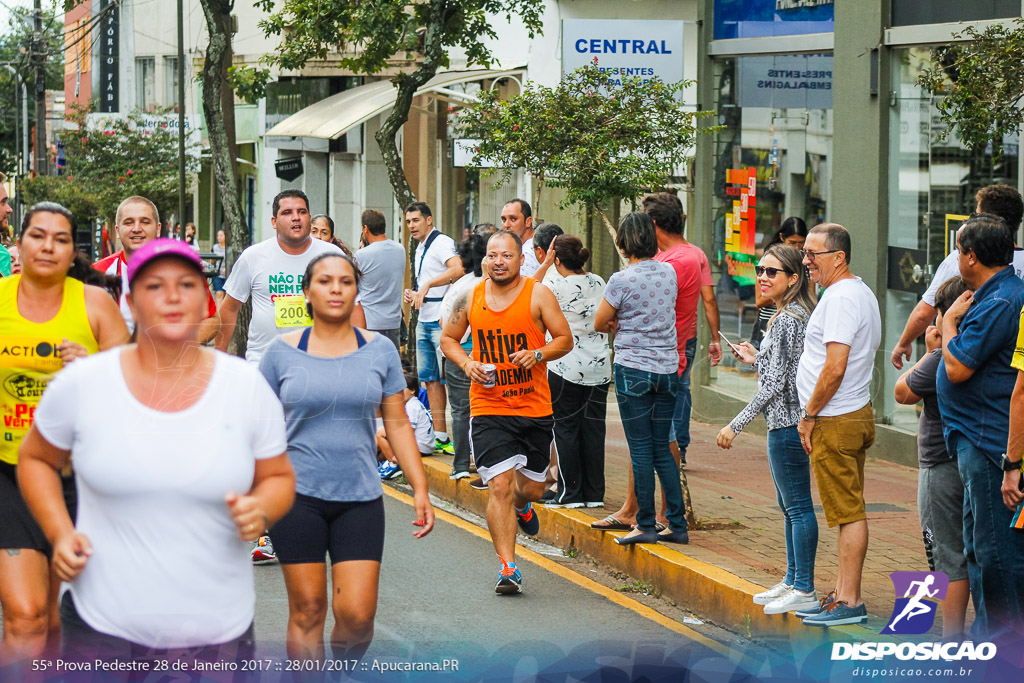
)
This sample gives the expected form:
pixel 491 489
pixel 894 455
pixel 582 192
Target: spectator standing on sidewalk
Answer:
pixel 471 251
pixel 517 217
pixel 976 384
pixel 220 249
pixel 782 280
pixel 436 266
pixel 940 491
pixel 382 263
pixel 837 424
pixel 639 304
pixel 579 380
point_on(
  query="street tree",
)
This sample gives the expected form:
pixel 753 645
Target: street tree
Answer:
pixel 603 139
pixel 369 35
pixel 979 84
pixel 109 158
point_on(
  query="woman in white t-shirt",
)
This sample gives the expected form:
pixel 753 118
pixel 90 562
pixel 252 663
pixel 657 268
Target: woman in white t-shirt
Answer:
pixel 165 457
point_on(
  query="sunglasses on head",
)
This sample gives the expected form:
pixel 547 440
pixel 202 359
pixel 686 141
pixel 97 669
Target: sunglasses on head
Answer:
pixel 770 272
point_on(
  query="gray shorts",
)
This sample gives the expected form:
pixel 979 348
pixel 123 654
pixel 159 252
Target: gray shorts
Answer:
pixel 940 502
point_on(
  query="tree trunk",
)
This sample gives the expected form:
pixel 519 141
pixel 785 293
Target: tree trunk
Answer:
pixel 538 186
pixel 219 111
pixel 611 231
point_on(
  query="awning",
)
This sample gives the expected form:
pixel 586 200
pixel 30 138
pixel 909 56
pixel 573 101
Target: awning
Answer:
pixel 333 116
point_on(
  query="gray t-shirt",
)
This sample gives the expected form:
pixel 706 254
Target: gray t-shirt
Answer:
pixel 931 445
pixel 330 406
pixel 645 296
pixel 380 288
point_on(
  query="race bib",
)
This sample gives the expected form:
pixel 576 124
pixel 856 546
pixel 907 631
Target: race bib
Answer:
pixel 290 311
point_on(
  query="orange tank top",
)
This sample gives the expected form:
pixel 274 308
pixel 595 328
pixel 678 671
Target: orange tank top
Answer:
pixel 496 336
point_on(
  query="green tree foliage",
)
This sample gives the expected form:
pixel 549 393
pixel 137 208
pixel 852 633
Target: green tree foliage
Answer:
pixel 369 36
pixel 980 83
pixel 601 141
pixel 107 163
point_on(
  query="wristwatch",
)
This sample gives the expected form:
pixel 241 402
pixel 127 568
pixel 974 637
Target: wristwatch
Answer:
pixel 539 356
pixel 804 415
pixel 1009 465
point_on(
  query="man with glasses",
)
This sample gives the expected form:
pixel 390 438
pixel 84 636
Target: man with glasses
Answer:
pixel 837 424
pixel 1000 200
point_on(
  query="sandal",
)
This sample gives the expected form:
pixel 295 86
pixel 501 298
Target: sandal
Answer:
pixel 609 523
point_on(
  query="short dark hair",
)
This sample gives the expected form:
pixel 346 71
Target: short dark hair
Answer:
pixel 284 194
pixel 507 233
pixel 330 222
pixel 374 221
pixel 989 237
pixel 49 207
pixel 543 235
pixel 524 206
pixel 636 237
pixel 570 251
pixel 485 229
pixel 666 210
pixel 308 275
pixel 836 238
pixel 421 207
pixel 948 292
pixel 412 381
pixel 1003 201
pixel 472 252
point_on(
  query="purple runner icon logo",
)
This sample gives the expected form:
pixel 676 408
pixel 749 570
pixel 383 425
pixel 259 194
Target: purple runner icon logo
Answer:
pixel 917 599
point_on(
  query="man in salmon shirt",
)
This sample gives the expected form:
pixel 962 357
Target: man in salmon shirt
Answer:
pixel 137 222
pixel 510 424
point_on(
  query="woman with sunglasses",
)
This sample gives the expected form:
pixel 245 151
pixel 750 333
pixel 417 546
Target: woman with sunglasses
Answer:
pixel 782 278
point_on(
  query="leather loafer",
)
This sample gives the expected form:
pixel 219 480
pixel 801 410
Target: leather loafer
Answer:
pixel 643 537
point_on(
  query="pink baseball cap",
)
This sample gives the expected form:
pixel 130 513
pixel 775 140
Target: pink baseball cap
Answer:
pixel 159 248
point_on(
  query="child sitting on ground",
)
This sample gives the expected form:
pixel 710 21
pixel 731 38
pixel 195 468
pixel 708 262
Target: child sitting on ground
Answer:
pixel 422 425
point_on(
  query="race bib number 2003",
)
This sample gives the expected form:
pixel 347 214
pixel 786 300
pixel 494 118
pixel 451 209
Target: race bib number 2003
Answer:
pixel 290 311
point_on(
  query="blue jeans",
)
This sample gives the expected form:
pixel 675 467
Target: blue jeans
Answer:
pixel 646 403
pixel 995 552
pixel 428 344
pixel 680 432
pixel 791 472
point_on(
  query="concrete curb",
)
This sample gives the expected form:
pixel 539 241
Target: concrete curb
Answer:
pixel 711 592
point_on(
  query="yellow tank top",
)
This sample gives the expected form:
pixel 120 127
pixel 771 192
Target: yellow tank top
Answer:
pixel 29 356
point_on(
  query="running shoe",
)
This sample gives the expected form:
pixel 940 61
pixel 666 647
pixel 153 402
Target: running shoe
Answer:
pixel 264 550
pixel 446 447
pixel 823 605
pixel 528 521
pixel 839 614
pixel 461 474
pixel 389 470
pixel 594 504
pixel 510 581
pixel 773 593
pixel 556 504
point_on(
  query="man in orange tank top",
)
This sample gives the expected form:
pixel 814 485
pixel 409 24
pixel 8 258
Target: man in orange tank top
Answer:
pixel 510 406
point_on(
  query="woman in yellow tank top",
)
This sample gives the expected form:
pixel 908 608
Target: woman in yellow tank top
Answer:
pixel 47 319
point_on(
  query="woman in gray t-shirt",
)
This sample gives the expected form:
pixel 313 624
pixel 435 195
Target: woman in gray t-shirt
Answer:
pixel 640 303
pixel 332 378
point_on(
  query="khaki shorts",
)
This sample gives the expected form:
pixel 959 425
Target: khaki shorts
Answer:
pixel 838 447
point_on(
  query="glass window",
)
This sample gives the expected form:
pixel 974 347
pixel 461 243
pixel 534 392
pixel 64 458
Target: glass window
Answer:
pixel 145 83
pixel 911 12
pixel 773 161
pixel 171 82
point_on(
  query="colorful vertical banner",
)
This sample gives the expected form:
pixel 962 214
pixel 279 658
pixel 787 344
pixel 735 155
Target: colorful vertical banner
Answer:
pixel 739 224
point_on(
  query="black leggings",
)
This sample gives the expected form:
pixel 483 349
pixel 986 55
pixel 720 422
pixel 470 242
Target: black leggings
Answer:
pixel 346 530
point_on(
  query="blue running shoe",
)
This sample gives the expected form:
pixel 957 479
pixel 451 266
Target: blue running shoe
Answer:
pixel 528 521
pixel 510 581
pixel 388 470
pixel 839 614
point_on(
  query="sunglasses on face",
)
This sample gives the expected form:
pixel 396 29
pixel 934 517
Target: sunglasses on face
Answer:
pixel 770 272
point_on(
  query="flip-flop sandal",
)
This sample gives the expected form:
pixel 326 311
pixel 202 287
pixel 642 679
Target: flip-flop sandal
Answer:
pixel 658 526
pixel 609 523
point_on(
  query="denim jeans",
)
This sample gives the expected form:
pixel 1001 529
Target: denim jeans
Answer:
pixel 458 401
pixel 680 432
pixel 791 472
pixel 646 403
pixel 428 346
pixel 995 552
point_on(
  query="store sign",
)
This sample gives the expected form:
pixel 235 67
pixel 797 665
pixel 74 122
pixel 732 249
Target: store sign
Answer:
pixel 463 152
pixel 109 40
pixel 628 49
pixel 739 223
pixel 763 18
pixel 796 81
pixel 150 123
pixel 288 169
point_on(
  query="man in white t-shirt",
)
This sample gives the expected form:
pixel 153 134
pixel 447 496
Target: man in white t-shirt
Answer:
pixel 1000 200
pixel 382 262
pixel 436 266
pixel 837 423
pixel 517 217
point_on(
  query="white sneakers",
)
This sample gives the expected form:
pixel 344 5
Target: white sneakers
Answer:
pixel 776 591
pixel 791 601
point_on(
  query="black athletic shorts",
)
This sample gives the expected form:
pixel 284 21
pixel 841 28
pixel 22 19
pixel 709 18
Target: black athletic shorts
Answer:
pixel 18 528
pixel 314 527
pixel 508 442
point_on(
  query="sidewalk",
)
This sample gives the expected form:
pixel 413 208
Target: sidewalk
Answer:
pixel 739 530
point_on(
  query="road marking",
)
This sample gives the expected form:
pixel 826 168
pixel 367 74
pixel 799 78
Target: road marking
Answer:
pixel 583 582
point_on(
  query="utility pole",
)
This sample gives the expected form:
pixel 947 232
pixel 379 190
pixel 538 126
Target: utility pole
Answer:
pixel 38 59
pixel 181 115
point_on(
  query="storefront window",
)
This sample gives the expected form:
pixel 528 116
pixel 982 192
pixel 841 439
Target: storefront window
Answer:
pixel 772 161
pixel 932 183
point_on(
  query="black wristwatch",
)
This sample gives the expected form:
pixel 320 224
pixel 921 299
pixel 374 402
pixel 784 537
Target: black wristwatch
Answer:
pixel 539 356
pixel 1009 465
pixel 804 415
